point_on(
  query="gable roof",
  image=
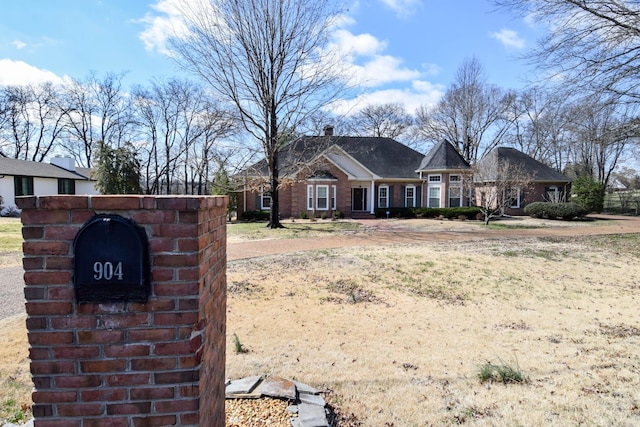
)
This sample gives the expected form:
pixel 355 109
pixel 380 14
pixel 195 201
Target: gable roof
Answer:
pixel 538 171
pixel 16 167
pixel 443 156
pixel 383 157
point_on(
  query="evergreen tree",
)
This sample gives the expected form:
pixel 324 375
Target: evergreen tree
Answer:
pixel 118 170
pixel 588 193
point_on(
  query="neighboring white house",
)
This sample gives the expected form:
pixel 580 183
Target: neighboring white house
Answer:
pixel 25 178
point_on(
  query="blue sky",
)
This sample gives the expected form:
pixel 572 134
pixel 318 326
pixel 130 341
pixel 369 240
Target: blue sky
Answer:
pixel 409 50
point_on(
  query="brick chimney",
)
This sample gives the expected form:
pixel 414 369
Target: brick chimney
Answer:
pixel 328 130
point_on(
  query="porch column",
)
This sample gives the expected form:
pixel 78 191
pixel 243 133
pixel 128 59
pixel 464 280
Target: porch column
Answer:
pixel 373 198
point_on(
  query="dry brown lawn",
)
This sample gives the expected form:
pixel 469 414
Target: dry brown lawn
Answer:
pixel 400 333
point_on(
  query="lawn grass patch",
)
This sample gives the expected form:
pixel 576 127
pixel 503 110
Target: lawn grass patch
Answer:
pixel 501 372
pixel 291 230
pixel 10 235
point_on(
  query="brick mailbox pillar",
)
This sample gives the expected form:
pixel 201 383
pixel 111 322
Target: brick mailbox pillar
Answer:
pixel 154 363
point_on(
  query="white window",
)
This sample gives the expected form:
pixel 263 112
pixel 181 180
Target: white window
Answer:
pixel 383 196
pixel 435 178
pixel 434 197
pixel 322 197
pixel 455 196
pixel 310 197
pixel 333 197
pixel 410 196
pixel 265 200
pixel 514 196
pixel 455 178
pixel 553 194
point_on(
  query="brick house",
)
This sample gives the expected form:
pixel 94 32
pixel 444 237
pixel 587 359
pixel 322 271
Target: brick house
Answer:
pixel 546 184
pixel 356 176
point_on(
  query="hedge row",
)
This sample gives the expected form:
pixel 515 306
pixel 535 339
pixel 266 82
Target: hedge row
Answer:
pixel 555 210
pixel 255 216
pixel 450 213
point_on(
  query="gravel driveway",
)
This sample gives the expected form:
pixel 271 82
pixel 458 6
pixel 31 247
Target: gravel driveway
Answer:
pixel 11 291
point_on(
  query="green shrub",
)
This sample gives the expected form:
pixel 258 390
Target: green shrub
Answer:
pixel 338 214
pixel 255 216
pixel 555 210
pixel 449 213
pixel 588 193
pixel 304 215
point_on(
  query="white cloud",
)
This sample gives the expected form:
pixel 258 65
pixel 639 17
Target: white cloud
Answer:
pixel 20 73
pixel 403 8
pixel 160 27
pixel 419 93
pixel 509 38
pixel 361 44
pixel 381 70
pixel 19 44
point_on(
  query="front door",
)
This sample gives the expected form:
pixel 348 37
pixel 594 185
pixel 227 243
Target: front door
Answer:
pixel 359 199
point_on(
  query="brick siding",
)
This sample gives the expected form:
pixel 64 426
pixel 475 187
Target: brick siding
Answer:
pixel 128 364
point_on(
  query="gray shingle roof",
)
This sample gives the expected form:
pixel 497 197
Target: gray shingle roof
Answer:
pixel 384 157
pixel 17 167
pixel 538 171
pixel 443 156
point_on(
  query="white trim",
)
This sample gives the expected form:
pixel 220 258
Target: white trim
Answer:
pixel 518 202
pixel 413 196
pixel 434 175
pixel 384 187
pixel 327 198
pixel 334 196
pixel 309 197
pixel 372 199
pixel 460 195
pixel 429 187
pixel 264 196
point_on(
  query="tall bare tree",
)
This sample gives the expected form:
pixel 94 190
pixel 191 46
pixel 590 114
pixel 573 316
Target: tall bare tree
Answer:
pixel 96 110
pixel 472 114
pixel 31 122
pixel 540 126
pixel 602 130
pixel 269 59
pixel 389 120
pixel 594 45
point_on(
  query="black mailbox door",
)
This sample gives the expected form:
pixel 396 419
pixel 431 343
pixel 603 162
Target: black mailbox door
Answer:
pixel 111 261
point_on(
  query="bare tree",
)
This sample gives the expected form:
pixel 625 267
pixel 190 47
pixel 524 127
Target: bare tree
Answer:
pixel 389 120
pixel 592 45
pixel 179 128
pixel 602 130
pixel 95 110
pixel 169 116
pixel 31 122
pixel 498 185
pixel 472 114
pixel 540 126
pixel 266 57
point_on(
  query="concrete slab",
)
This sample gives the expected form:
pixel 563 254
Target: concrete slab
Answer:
pixel 278 387
pixel 312 416
pixel 305 388
pixel 312 399
pixel 242 386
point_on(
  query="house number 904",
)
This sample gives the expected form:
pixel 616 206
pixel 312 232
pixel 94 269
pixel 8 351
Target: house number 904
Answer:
pixel 107 270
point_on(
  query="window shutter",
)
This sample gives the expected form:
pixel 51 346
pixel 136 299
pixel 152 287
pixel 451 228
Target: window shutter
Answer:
pixel 390 197
pixel 403 191
pixel 258 205
pixel 419 196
